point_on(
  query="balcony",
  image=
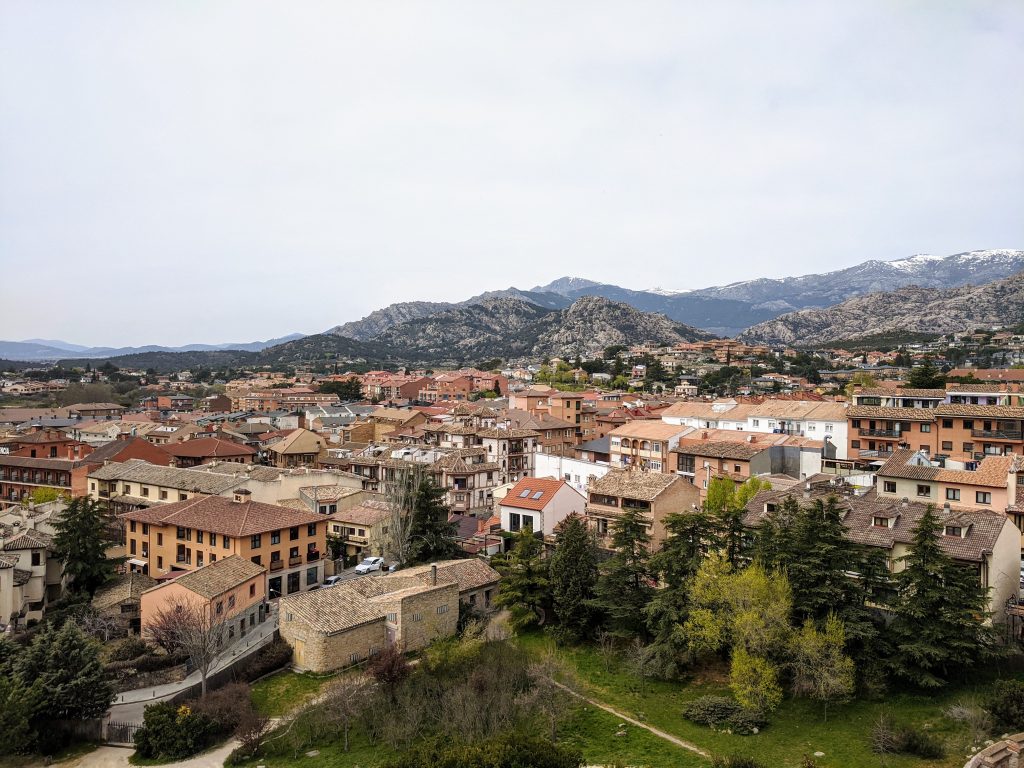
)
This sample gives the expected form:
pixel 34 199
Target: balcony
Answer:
pixel 104 494
pixel 360 540
pixel 293 561
pixel 276 565
pixel 312 557
pixel 895 433
pixel 999 434
pixel 873 454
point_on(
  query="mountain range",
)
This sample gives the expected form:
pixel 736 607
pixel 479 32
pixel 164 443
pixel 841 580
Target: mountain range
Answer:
pixel 573 315
pixel 910 310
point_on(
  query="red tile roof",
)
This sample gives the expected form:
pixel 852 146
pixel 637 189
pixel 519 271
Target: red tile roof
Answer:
pixel 208 446
pixel 524 494
pixel 222 515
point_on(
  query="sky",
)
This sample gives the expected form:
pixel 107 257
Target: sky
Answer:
pixel 184 172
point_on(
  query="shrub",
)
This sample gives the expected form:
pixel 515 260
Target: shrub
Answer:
pixel 736 761
pixel 147 663
pixel 713 711
pixel 1007 705
pixel 225 707
pixel 129 648
pixel 912 741
pixel 389 667
pixel 170 731
pixel 723 712
pixel 509 751
pixel 268 659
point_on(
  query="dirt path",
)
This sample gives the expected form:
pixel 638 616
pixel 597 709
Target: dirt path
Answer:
pixel 660 734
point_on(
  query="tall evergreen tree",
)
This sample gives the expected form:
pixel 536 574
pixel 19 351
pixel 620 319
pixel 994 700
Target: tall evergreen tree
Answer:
pixel 573 572
pixel 625 585
pixel 81 541
pixel 431 536
pixel 524 584
pixel 939 612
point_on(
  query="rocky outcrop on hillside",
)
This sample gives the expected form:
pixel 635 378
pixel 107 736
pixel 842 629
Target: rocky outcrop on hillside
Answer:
pixel 907 310
pixel 380 320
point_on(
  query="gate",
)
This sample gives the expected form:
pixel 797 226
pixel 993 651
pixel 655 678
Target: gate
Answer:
pixel 122 733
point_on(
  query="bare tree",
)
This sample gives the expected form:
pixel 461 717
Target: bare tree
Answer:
pixel 606 649
pixel 346 701
pixel 101 626
pixel 252 731
pixel 638 659
pixel 192 628
pixel 400 495
pixel 547 697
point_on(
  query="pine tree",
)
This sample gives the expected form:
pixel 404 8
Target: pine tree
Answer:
pixel 573 572
pixel 625 585
pixel 81 541
pixel 939 613
pixel 524 584
pixel 431 536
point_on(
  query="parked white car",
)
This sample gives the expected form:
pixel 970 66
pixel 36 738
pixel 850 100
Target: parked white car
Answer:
pixel 370 564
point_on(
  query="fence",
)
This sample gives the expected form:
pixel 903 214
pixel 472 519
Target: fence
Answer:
pixel 121 733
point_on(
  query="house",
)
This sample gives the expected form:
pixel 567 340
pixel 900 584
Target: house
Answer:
pixel 232 592
pixel 166 539
pixel 984 541
pixel 539 504
pixel 653 494
pixel 30 576
pixel 644 444
pixel 120 598
pixel 203 450
pixel 300 448
pixel 362 529
pixel 553 435
pixel 387 420
pixel 342 625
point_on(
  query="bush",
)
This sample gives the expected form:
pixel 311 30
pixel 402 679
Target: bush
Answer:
pixel 268 659
pixel 723 712
pixel 173 732
pixel 1007 705
pixel 736 761
pixel 129 648
pixel 712 711
pixel 225 707
pixel 509 751
pixel 150 662
pixel 912 741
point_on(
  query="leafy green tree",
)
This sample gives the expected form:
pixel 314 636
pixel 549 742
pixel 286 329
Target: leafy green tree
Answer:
pixel 15 711
pixel 431 536
pixel 573 572
pixel 821 669
pixel 524 584
pixel 81 541
pixel 754 681
pixel 349 389
pixel 940 610
pixel 625 585
pixel 726 504
pixel 63 676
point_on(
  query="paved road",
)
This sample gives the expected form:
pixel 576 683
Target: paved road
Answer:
pixel 128 706
pixel 116 757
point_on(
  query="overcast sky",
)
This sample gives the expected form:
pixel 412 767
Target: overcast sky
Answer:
pixel 175 172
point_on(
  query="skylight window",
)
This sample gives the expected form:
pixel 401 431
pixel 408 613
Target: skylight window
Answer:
pixel 524 494
pixel 538 494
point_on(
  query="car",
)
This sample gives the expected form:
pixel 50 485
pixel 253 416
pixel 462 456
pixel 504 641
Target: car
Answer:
pixel 370 564
pixel 330 581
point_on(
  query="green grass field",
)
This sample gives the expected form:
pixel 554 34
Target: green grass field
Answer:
pixel 285 691
pixel 796 730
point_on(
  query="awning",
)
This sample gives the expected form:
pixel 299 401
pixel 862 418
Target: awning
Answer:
pixel 140 563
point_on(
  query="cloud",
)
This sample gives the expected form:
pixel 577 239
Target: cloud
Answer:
pixel 246 169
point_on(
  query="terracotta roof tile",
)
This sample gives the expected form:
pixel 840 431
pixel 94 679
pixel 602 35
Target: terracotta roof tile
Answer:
pixel 217 578
pixel 223 515
pixel 532 493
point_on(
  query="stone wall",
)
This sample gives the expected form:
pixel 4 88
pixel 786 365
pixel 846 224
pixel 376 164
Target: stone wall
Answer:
pixel 318 652
pixel 1002 754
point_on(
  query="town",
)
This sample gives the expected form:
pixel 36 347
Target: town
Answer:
pixel 190 531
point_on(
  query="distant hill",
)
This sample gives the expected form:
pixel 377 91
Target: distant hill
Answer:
pixel 50 350
pixel 910 310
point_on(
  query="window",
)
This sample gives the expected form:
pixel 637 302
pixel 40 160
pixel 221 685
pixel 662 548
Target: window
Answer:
pixel 159 563
pixel 275 537
pixel 220 607
pixel 947 445
pixel 226 540
pixel 38 560
pixel 442 609
pixel 755 422
pixel 968 447
pixel 182 496
pixel 252 590
pixel 255 541
pixel 926 427
pixel 131 526
pixel 880 522
pixel 924 490
pixel 393 618
pixel 983 497
pixel 293 552
pixel 257 560
pixel 181 533
pixel 159 539
pixel 213 539
pixel 685 463
pixel 213 557
pixel 311 529
pixel 968 423
pixel 131 550
pixel 293 533
pixel 312 576
pixel 947 423
pixel 954 530
pixel 199 537
pixel 953 494
pixel 855 423
pixel 855 443
pixel 163 495
pixel 145 529
pixel 889 486
pixel 145 491
pixel 275 556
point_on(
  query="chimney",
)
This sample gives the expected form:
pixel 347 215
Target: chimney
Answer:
pixel 242 496
pixel 433 574
pixel 946 508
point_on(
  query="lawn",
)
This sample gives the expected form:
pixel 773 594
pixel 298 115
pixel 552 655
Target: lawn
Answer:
pixel 285 691
pixel 796 730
